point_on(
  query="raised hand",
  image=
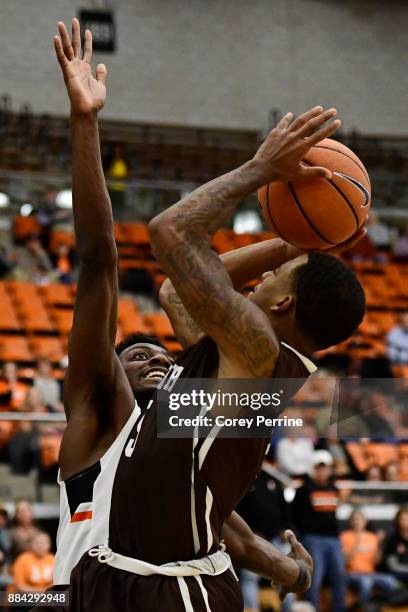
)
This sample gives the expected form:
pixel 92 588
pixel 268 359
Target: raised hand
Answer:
pixel 280 155
pixel 86 92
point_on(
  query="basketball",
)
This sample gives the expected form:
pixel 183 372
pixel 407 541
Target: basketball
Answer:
pixel 320 213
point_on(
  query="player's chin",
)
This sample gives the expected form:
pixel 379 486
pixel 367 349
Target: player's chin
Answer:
pixel 148 383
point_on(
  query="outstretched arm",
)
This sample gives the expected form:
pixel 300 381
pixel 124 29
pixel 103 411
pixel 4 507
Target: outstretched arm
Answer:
pixel 181 239
pixel 93 367
pixel 251 552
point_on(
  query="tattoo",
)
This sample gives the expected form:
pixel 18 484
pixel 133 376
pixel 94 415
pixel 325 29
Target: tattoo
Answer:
pixel 205 289
pixel 239 327
pixel 191 333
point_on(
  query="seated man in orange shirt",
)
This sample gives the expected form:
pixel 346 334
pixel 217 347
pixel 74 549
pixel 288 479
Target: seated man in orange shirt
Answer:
pixel 362 553
pixel 33 570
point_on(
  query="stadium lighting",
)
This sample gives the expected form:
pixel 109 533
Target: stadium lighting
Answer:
pixel 64 199
pixel 4 200
pixel 247 221
pixel 26 210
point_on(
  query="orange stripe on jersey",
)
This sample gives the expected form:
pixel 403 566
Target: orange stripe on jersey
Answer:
pixel 81 516
pixel 324 501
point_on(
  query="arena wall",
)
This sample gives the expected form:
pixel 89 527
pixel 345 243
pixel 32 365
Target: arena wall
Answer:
pixel 224 63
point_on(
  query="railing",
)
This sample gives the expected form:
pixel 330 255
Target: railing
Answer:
pixel 142 199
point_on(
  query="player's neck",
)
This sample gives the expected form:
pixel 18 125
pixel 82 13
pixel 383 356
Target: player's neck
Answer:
pixel 293 338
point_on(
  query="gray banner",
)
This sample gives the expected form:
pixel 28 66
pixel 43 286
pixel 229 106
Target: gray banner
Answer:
pixel 323 406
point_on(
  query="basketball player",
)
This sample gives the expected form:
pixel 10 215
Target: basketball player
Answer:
pixel 161 503
pixel 98 427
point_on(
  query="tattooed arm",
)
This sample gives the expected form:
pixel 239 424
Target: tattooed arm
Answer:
pixel 242 265
pixel 182 234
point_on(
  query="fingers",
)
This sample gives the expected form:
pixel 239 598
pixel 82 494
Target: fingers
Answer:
pixel 66 43
pixel 101 73
pixel 76 37
pixel 315 172
pixel 60 53
pixel 315 121
pixel 88 46
pixel 285 121
pixel 325 132
pixel 290 537
pixel 293 541
pixel 305 117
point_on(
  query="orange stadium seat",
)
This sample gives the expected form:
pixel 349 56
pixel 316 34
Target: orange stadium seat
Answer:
pixel 380 453
pixel 136 263
pixel 14 348
pixel 403 450
pixel 129 318
pixel 222 242
pixel 30 307
pixel 8 318
pixel 160 325
pixel 62 318
pixel 173 346
pixel 58 294
pixel 136 233
pixel 47 348
pixel 120 234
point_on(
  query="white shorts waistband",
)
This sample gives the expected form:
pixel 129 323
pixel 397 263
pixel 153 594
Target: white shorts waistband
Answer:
pixel 212 565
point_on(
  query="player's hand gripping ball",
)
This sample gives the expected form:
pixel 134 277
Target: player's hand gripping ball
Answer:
pixel 319 213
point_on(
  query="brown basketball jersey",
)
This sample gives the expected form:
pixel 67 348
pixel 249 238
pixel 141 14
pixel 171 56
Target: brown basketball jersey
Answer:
pixel 170 498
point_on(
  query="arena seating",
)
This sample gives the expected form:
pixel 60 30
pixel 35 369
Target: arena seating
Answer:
pixel 40 317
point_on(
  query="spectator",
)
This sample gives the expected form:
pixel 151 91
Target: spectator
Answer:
pixel 362 553
pixel 336 449
pixel 396 548
pixel 64 263
pixel 24 446
pixel 46 384
pixel 401 246
pixel 5 548
pixel 265 510
pixel 49 214
pixel 397 341
pixel 314 514
pixel 378 232
pixel 391 472
pixel 294 453
pixel 24 529
pixel 10 387
pixel 117 172
pixel 33 569
pixel 371 495
pixel 6 262
pixel 379 415
pixel 34 261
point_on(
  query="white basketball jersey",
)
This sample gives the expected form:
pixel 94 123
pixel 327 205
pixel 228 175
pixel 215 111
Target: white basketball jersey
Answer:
pixel 85 502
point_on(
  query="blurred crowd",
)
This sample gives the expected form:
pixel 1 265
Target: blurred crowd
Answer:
pixel 358 565
pixel 25 444
pixel 31 253
pixel 26 560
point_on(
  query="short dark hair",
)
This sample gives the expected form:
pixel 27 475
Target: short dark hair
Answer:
pixel 137 338
pixel 330 302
